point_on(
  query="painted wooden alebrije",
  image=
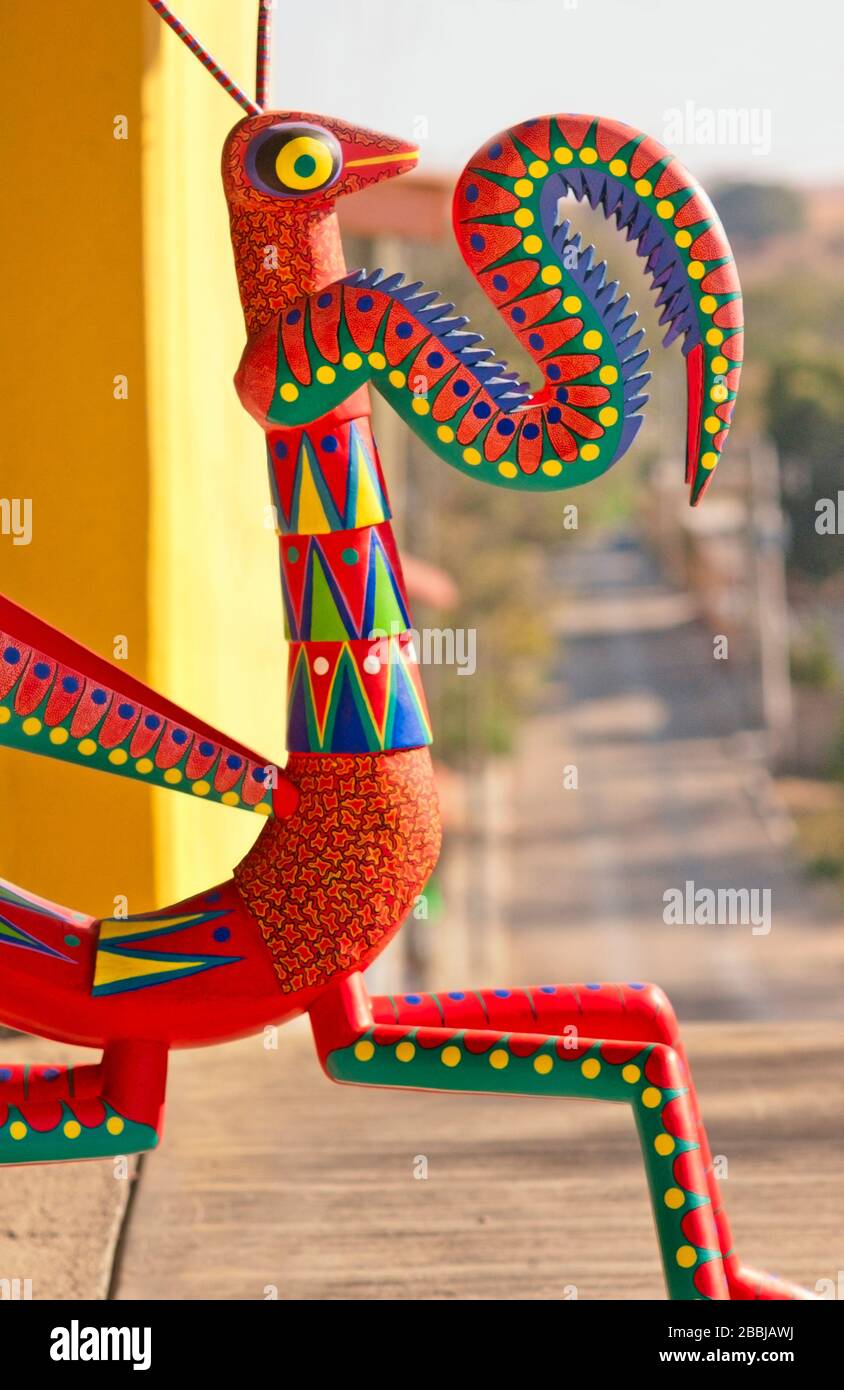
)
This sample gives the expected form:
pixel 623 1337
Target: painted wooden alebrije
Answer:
pixel 351 831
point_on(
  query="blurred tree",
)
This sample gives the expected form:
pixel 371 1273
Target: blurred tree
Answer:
pixel 797 307
pixel 813 660
pixel 758 211
pixel 805 412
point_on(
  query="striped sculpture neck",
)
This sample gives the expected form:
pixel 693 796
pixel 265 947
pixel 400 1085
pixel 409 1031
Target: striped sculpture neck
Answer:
pixel 353 681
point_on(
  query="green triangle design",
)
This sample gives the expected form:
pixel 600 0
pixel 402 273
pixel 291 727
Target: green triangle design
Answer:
pixel 326 622
pixel 386 609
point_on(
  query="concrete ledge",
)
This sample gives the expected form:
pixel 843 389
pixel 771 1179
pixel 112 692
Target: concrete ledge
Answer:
pixel 271 1182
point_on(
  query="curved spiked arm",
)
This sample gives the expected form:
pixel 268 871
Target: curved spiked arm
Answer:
pixel 472 410
pixel 59 699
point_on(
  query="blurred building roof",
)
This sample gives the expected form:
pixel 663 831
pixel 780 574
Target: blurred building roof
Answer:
pixel 418 205
pixel 428 583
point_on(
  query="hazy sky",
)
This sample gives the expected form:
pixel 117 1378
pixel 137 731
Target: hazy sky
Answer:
pixel 468 68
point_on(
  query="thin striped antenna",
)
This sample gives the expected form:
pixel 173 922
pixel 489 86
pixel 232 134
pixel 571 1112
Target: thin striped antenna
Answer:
pixel 262 59
pixel 205 58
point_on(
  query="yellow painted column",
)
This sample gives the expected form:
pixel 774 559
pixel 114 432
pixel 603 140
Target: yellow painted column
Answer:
pixel 73 320
pixel 215 605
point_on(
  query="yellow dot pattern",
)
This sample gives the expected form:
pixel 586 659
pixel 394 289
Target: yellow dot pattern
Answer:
pixel 69 1128
pixel 669 210
pixel 119 758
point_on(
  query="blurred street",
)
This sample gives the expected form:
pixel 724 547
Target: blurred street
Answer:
pixel 670 789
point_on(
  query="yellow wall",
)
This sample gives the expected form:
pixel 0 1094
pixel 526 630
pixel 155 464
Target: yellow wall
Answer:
pixel 215 609
pixel 70 252
pixel 149 513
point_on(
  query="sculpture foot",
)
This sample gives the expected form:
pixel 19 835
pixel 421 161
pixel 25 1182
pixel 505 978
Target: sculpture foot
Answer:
pixel 51 1114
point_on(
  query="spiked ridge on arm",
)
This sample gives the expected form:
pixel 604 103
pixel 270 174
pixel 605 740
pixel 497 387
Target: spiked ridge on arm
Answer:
pixel 61 700
pixel 470 408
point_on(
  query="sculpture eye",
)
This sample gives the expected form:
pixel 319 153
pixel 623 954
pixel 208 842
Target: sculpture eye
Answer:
pixel 294 160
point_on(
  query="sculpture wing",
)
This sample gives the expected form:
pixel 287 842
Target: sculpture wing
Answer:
pixel 59 699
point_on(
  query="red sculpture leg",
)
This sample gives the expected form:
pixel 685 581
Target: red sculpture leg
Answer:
pixel 633 1013
pixel 358 1046
pixel 632 1047
pixel 112 1107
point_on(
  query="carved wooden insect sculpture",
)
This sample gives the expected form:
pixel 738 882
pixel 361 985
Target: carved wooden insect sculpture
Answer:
pixel 351 830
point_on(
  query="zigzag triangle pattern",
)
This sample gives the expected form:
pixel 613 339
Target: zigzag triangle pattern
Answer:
pixel 356 697
pixel 326 481
pixel 343 586
pixel 11 934
pixel 121 966
pixel 13 901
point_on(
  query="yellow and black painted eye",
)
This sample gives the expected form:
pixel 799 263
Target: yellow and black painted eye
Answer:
pixel 294 160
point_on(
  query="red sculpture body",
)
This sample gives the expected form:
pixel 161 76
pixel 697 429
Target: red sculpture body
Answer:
pixel 351 832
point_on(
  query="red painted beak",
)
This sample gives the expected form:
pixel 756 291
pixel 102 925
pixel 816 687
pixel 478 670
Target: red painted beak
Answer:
pixel 371 158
